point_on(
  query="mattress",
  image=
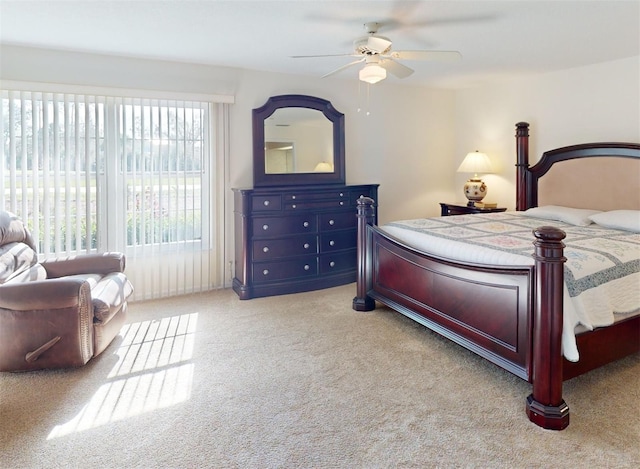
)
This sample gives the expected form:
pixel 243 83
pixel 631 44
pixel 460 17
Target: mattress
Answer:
pixel 602 271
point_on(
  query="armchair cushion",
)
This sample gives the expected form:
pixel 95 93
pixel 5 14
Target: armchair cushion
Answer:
pixel 108 293
pixel 17 249
pixel 12 230
pixel 35 272
pixel 15 258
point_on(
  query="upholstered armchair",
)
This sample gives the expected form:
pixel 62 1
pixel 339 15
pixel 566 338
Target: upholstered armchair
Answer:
pixel 57 313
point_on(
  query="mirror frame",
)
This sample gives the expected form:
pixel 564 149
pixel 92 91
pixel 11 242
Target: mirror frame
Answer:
pixel 261 178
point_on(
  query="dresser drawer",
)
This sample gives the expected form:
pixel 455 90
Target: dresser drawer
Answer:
pixel 278 226
pixel 338 262
pixel 317 195
pixel 268 203
pixel 338 240
pixel 302 267
pixel 338 220
pixel 267 249
pixel 316 200
pixel 316 204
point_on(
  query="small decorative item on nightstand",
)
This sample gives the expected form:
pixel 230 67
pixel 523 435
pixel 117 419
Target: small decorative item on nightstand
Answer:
pixel 475 189
pixel 459 209
pixel 485 204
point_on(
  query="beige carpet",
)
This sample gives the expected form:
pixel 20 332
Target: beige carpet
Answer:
pixel 302 381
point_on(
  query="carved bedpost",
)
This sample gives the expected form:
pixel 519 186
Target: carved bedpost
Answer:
pixel 366 216
pixel 545 406
pixel 522 165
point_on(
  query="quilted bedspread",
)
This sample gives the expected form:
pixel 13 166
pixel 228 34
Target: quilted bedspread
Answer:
pixel 602 272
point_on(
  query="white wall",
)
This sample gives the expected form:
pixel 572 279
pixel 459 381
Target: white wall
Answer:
pixel 595 103
pixel 406 143
pixel 413 139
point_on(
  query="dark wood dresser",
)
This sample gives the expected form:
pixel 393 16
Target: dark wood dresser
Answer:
pixel 295 238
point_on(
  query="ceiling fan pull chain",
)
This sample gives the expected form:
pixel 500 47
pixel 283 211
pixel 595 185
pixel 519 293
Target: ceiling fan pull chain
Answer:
pixel 368 100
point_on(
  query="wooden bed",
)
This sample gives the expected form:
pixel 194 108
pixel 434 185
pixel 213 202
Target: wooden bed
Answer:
pixel 510 315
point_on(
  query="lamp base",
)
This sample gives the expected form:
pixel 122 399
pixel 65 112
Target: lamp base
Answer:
pixel 474 190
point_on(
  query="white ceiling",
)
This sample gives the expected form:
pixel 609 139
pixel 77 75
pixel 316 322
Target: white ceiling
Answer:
pixel 496 38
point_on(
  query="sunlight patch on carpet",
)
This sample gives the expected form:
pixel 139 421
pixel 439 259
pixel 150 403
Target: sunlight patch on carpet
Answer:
pixel 150 374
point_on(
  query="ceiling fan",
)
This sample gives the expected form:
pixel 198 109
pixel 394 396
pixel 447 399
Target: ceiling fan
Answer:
pixel 375 52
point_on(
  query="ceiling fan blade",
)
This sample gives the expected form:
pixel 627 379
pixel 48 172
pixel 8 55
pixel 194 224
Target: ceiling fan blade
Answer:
pixel 395 68
pixel 441 55
pixel 323 55
pixel 343 67
pixel 378 44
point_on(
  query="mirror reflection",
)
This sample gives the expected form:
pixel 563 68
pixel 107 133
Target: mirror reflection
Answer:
pixel 279 157
pixel 298 140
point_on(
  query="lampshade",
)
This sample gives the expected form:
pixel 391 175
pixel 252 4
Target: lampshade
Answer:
pixel 372 73
pixel 475 162
pixel 323 167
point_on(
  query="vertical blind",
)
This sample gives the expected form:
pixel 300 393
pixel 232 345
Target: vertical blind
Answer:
pixel 100 173
pixel 50 153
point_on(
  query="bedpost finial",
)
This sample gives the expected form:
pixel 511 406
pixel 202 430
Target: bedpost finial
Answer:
pixel 362 200
pixel 548 245
pixel 549 233
pixel 522 129
pixel 365 208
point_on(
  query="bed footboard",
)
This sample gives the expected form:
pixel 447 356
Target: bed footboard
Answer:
pixel 512 316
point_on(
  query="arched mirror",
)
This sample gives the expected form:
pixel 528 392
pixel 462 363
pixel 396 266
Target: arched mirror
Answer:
pixel 297 139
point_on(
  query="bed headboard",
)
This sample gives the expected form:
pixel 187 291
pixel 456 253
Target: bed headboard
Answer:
pixel 601 176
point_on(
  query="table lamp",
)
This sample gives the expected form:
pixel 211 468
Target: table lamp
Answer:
pixel 475 189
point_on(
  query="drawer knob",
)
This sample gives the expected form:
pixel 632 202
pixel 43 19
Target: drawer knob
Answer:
pixel 293 197
pixel 306 267
pixel 332 222
pixel 306 245
pixel 265 227
pixel 341 202
pixel 341 194
pixel 265 272
pixel 332 264
pixel 266 203
pixel 306 224
pixel 265 249
pixel 293 206
pixel 332 243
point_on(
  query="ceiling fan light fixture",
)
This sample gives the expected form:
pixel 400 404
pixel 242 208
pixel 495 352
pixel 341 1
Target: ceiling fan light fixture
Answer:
pixel 372 73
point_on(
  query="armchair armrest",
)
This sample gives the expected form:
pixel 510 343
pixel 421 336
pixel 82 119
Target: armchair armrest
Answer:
pixel 45 294
pixel 46 324
pixel 85 264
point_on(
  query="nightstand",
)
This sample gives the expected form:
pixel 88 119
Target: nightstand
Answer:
pixel 455 209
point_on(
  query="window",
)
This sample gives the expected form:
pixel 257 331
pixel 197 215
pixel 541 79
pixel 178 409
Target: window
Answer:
pixel 164 150
pixel 97 173
pixel 51 150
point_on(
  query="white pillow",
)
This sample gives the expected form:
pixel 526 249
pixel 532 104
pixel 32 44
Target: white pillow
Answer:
pixel 627 220
pixel 572 216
